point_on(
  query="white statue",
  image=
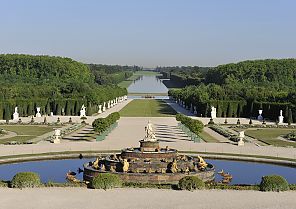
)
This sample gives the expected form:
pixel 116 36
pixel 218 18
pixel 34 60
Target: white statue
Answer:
pixel 241 139
pixel 104 107
pixel 57 136
pixel 38 115
pixel 281 117
pixel 149 133
pixel 100 109
pixel 213 113
pixel 15 114
pixel 260 117
pixel 83 111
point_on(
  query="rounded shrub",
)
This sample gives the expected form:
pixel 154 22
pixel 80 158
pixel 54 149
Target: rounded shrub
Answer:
pixel 106 181
pixel 274 183
pixel 191 183
pixel 25 179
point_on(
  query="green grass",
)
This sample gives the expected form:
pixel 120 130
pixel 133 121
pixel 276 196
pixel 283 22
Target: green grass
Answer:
pixel 147 108
pixel 269 136
pixel 208 138
pixel 24 133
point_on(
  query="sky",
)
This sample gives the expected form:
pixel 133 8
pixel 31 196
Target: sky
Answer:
pixel 150 33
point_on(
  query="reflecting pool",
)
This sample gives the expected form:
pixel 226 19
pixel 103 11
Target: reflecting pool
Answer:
pixel 147 84
pixel 55 170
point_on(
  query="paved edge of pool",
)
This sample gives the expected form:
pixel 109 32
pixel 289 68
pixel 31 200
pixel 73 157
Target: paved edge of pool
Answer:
pixel 76 154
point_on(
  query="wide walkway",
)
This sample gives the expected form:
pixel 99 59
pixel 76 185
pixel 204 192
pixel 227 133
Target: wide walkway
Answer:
pixel 82 198
pixel 131 130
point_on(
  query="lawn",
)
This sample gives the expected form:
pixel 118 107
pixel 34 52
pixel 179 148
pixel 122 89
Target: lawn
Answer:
pixel 208 138
pixel 269 136
pixel 147 108
pixel 24 132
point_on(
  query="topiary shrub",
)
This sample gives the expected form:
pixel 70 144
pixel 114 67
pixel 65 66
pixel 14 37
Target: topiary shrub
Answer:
pixel 25 179
pixel 106 181
pixel 274 183
pixel 191 183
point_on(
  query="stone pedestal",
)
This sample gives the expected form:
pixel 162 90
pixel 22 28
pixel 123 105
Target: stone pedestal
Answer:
pixel 149 146
pixel 260 117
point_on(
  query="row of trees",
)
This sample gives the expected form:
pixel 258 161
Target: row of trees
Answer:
pixel 112 74
pixel 58 85
pixel 244 88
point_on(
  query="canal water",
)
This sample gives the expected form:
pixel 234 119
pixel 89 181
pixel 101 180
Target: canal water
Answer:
pixel 148 85
pixel 242 172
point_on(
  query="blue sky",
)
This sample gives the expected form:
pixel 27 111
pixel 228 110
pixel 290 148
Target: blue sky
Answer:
pixel 150 32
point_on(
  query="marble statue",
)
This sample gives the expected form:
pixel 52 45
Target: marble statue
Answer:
pixel 57 136
pixel 38 115
pixel 15 114
pixel 104 107
pixel 100 109
pixel 83 111
pixel 241 139
pixel 281 117
pixel 213 112
pixel 149 133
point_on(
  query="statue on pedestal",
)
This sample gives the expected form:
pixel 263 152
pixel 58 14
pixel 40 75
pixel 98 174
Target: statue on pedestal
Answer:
pixel 83 111
pixel 281 117
pixel 15 114
pixel 149 133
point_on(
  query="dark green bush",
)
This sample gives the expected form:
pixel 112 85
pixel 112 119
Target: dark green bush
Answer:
pixel 191 183
pixel 25 179
pixel 274 183
pixel 102 124
pixel 194 126
pixel 106 181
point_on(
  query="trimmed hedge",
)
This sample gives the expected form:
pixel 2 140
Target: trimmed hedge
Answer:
pixel 106 181
pixel 191 183
pixel 194 126
pixel 274 183
pixel 25 179
pixel 102 124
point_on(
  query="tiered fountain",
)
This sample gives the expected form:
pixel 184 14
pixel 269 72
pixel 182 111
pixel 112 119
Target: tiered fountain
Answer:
pixel 150 164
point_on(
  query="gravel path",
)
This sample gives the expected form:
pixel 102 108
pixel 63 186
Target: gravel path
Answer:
pixel 82 198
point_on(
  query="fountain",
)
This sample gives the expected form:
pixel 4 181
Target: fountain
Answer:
pixel 150 163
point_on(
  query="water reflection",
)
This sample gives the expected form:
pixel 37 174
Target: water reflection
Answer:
pixel 242 172
pixel 147 84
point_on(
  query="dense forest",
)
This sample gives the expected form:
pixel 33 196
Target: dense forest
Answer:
pixel 56 84
pixel 242 89
pixel 183 76
pixel 112 74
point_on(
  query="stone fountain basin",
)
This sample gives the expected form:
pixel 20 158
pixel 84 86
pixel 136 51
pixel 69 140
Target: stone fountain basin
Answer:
pixel 153 178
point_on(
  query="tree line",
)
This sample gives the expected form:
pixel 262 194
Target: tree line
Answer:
pixel 242 89
pixel 56 84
